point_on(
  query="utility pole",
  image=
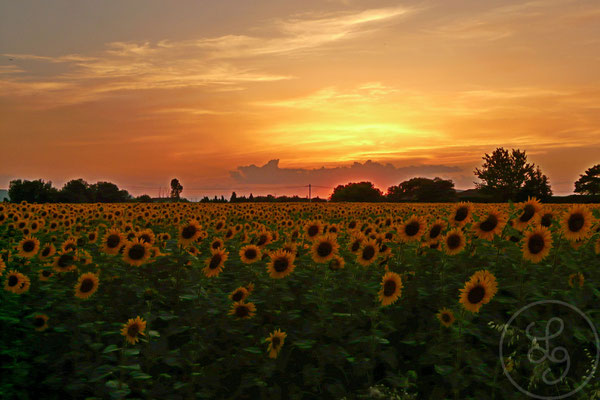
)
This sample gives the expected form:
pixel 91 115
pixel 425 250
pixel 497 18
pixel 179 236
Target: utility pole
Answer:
pixel 309 192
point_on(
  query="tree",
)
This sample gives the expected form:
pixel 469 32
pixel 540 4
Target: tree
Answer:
pixel 143 199
pixel 76 191
pixel 32 191
pixel 508 176
pixel 176 189
pixel 362 191
pixel 423 190
pixel 233 197
pixel 107 192
pixel 590 182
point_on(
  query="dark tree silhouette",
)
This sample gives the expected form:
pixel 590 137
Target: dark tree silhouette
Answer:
pixel 233 197
pixel 508 176
pixel 176 189
pixel 362 191
pixel 76 191
pixel 32 191
pixel 107 192
pixel 590 182
pixel 423 190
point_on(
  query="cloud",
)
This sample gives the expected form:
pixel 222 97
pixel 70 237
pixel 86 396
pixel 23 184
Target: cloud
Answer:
pixel 381 174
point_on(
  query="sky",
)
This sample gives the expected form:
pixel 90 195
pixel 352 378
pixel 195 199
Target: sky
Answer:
pixel 270 96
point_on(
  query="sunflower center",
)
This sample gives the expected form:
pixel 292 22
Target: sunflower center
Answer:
pixel 242 311
pixel 355 245
pixel 70 246
pixel 86 285
pixel 136 252
pixel 476 294
pixel 145 238
pixel 262 240
pixel 38 322
pixel 535 244
pixel 445 317
pixel 250 254
pixel 324 249
pixel 46 251
pixel 280 264
pixel 453 241
pixel 435 231
pixel 275 342
pixel 13 280
pixel 113 241
pixel 412 229
pixel 216 245
pixel 461 214
pixel 215 261
pixel 389 288
pixel 46 273
pixel 133 330
pixel 237 296
pixel 28 246
pixel 188 232
pixel 313 230
pixel 65 260
pixel 528 213
pixel 490 223
pixel 546 220
pixel 368 252
pixel 576 222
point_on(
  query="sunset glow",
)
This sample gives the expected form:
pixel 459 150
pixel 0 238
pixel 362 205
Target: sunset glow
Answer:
pixel 143 91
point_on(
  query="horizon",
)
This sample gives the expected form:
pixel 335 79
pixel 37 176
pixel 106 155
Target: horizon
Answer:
pixel 232 96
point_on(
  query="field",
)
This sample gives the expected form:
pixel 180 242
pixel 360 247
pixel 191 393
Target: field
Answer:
pixel 290 301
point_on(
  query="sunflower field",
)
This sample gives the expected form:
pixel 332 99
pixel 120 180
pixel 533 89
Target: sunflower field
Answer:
pixel 287 301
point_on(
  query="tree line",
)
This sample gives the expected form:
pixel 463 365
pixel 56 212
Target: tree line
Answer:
pixel 504 176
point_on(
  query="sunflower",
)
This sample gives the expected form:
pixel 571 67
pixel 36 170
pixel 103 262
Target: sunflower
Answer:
pixel 577 222
pixel 45 274
pixel 391 288
pixel 65 261
pixel 69 244
pixel 281 264
pixel 412 229
pixel 136 252
pixel 313 229
pixel 92 237
pixel 545 217
pixel 275 339
pixel 86 285
pixel 113 241
pixel 215 263
pixel 216 244
pixel 454 242
pixel 189 233
pixel 356 242
pixel 337 262
pixel 435 230
pixel 324 248
pixel 40 322
pixel 147 236
pixel 242 310
pixel 28 247
pixel 576 280
pixel 368 253
pixel 239 294
pixel 132 329
pixel 491 225
pixel 529 209
pixel 537 244
pixel 47 251
pixel 2 266
pixel 263 238
pixel 13 281
pixel 23 285
pixel 446 317
pixel 250 254
pixel 479 290
pixel 461 214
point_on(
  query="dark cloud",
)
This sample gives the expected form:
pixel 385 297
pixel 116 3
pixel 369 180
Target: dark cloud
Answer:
pixel 381 174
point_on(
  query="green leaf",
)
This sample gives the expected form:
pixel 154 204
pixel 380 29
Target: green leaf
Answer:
pixel 253 350
pixel 110 348
pixel 131 352
pixel 153 334
pixel 443 369
pixel 140 375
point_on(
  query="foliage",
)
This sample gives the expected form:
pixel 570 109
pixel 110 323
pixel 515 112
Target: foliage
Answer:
pixel 361 192
pixel 32 191
pixel 176 189
pixel 508 176
pixel 590 182
pixel 423 190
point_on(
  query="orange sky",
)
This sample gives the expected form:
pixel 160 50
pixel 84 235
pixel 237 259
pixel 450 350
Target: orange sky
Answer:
pixel 139 92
